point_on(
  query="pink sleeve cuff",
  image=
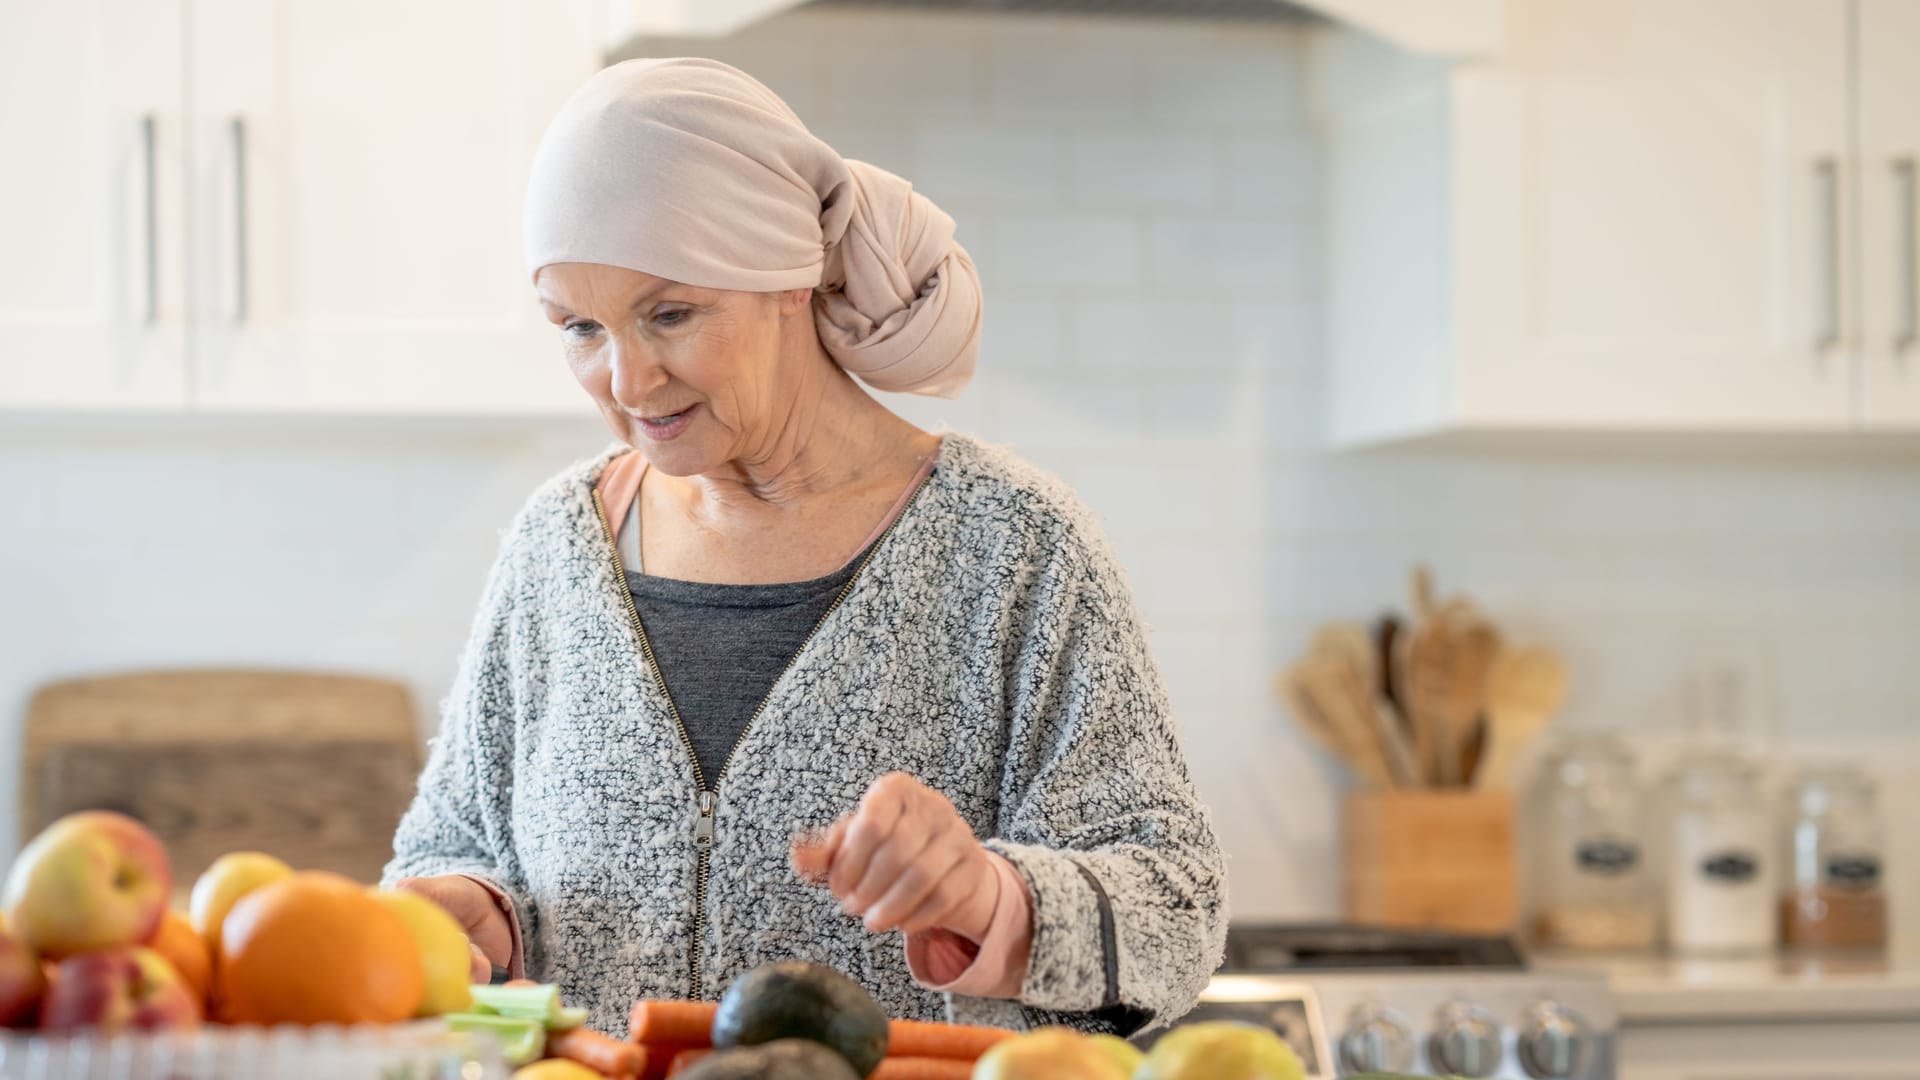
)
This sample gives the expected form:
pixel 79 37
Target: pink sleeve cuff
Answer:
pixel 516 964
pixel 993 967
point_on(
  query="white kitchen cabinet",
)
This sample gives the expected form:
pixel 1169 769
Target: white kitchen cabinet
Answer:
pixel 279 205
pixel 92 241
pixel 1889 79
pixel 357 187
pixel 1636 216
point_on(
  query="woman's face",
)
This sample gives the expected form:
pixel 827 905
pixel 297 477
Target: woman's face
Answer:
pixel 690 377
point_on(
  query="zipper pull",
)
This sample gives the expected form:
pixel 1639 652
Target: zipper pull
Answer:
pixel 703 822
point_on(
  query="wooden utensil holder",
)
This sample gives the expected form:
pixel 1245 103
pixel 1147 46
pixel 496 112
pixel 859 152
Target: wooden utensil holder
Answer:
pixel 1441 860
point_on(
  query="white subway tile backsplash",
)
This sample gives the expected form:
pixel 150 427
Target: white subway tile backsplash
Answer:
pixel 1150 169
pixel 1248 258
pixel 1149 334
pixel 1055 415
pixel 1019 170
pixel 1023 333
pixel 1273 174
pixel 1033 82
pixel 1248 88
pixel 924 79
pixel 1081 251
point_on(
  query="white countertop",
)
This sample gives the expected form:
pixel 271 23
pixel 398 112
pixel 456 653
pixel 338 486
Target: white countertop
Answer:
pixel 1655 990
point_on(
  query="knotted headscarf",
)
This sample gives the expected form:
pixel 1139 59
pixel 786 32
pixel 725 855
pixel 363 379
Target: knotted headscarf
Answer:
pixel 694 171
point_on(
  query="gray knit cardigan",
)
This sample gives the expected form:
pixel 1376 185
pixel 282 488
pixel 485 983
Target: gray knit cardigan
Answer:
pixel 990 647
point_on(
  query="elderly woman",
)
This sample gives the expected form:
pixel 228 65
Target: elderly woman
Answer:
pixel 776 610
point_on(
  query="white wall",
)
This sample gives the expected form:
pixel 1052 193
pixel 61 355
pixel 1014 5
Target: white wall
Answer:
pixel 1142 198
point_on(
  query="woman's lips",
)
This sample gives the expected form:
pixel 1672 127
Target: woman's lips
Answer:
pixel 664 428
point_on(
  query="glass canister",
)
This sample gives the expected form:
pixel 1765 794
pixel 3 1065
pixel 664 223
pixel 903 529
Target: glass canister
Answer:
pixel 1721 872
pixel 1593 885
pixel 1835 895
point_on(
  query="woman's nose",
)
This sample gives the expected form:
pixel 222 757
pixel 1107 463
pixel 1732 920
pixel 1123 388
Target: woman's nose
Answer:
pixel 635 372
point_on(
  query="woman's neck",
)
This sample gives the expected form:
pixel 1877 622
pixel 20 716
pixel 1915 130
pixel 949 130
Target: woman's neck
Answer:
pixel 831 439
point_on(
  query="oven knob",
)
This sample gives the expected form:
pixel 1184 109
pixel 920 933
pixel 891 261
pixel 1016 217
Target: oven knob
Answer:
pixel 1465 1042
pixel 1553 1043
pixel 1375 1042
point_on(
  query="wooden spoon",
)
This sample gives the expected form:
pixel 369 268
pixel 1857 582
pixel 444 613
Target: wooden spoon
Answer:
pixel 1330 685
pixel 1291 687
pixel 1525 688
pixel 1448 658
pixel 1348 650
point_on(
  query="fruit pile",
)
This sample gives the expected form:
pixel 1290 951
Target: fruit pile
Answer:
pixel 90 943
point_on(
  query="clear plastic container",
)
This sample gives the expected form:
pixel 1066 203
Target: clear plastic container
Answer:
pixel 1721 865
pixel 419 1051
pixel 1593 887
pixel 1835 896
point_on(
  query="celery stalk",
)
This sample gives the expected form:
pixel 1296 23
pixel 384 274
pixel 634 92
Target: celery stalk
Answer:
pixel 532 1002
pixel 522 1039
pixel 540 1003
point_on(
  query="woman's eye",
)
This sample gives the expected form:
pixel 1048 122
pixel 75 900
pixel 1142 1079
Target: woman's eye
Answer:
pixel 580 331
pixel 671 318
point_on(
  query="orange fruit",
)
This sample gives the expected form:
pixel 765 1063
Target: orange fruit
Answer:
pixel 317 948
pixel 187 951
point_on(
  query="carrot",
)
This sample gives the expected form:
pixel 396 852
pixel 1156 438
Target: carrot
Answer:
pixel 656 1057
pixel 955 1042
pixel 923 1068
pixel 603 1054
pixel 684 1060
pixel 658 1021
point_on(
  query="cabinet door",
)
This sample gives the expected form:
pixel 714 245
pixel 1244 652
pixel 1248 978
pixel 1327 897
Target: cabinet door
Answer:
pixel 91 240
pixel 1889 87
pixel 1651 217
pixel 357 188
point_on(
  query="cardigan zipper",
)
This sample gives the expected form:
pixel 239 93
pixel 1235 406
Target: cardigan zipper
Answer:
pixel 707 794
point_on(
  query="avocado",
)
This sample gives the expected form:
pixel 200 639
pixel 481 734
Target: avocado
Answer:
pixel 782 1059
pixel 792 999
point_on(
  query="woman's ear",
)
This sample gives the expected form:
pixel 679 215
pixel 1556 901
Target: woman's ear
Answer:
pixel 796 301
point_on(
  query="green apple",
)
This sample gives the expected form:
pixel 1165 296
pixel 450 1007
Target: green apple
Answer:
pixel 1221 1050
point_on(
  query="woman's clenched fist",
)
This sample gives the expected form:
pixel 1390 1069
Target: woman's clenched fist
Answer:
pixel 904 860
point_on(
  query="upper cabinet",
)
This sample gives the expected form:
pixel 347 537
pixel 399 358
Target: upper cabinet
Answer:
pixel 1889 36
pixel 1636 215
pixel 280 205
pixel 92 285
pixel 356 189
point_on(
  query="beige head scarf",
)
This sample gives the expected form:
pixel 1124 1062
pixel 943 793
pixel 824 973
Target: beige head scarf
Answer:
pixel 691 170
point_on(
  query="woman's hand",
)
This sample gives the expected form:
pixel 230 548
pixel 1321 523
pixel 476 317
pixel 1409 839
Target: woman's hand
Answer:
pixel 472 906
pixel 904 860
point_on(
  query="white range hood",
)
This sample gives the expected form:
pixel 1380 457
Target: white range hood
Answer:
pixel 1445 28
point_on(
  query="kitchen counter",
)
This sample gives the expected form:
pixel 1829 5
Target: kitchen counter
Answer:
pixel 1665 990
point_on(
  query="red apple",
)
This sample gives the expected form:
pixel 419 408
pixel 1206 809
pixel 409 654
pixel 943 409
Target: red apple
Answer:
pixel 118 989
pixel 22 982
pixel 94 880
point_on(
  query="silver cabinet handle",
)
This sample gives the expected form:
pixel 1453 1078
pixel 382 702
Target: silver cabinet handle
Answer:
pixel 237 128
pixel 1907 192
pixel 149 168
pixel 1826 172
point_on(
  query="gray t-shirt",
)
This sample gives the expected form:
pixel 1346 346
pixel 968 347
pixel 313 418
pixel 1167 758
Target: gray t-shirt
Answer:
pixel 720 647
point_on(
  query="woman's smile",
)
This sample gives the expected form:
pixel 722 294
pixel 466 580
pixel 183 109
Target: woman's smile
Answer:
pixel 668 427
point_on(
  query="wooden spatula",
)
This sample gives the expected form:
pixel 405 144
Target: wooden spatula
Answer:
pixel 1449 653
pixel 1347 650
pixel 1524 690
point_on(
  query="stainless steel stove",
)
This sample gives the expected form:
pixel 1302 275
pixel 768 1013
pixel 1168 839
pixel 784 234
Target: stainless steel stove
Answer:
pixel 1354 1000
